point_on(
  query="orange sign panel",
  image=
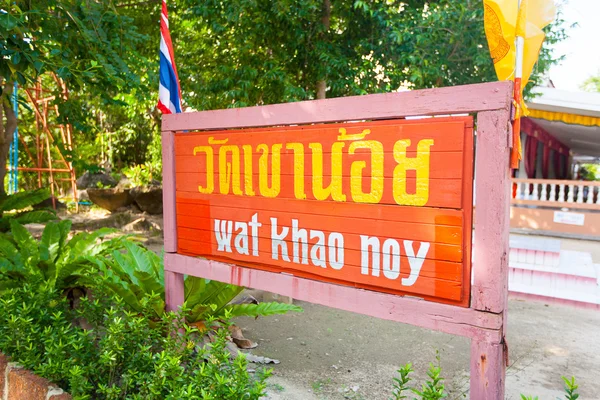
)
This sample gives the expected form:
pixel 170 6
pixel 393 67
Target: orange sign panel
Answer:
pixel 384 205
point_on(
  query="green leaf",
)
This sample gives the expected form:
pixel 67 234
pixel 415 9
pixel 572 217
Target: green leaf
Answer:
pixel 124 266
pixel 88 243
pixel 149 283
pixel 65 271
pixel 141 257
pixel 64 227
pixel 9 268
pixel 197 312
pixel 261 309
pixel 194 288
pixel 7 249
pixel 50 243
pixel 21 200
pixel 38 65
pixel 219 294
pixel 25 242
pixel 35 217
pixel 123 290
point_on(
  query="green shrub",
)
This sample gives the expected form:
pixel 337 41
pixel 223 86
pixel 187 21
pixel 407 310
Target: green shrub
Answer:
pixel 434 389
pixel 120 356
pixel 138 272
pixel 15 207
pixel 54 259
pixel 141 174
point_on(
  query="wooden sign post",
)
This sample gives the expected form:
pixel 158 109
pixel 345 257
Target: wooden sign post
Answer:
pixel 351 204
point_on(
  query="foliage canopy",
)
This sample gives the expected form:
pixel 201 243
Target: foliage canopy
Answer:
pixel 234 53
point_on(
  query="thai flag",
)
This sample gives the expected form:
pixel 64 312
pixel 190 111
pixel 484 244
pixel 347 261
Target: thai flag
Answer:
pixel 169 92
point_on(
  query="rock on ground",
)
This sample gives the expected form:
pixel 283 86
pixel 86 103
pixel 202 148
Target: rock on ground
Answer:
pixel 148 198
pixel 110 199
pixel 91 180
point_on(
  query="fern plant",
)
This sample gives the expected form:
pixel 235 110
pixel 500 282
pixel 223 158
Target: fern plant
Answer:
pixel 138 272
pixel 15 207
pixel 54 259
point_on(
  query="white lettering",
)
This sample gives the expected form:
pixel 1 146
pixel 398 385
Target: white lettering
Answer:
pixel 278 241
pixel 415 262
pixel 391 251
pixel 299 236
pixel 223 230
pixel 365 243
pixel 241 238
pixel 317 252
pixel 254 225
pixel 336 250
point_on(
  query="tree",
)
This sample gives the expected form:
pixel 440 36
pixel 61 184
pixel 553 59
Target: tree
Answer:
pixel 246 52
pixel 88 44
pixel 592 84
pixel 234 53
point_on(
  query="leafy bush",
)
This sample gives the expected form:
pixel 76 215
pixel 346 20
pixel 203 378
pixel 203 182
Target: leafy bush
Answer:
pixel 590 172
pixel 54 259
pixel 141 174
pixel 121 356
pixel 139 272
pixel 13 207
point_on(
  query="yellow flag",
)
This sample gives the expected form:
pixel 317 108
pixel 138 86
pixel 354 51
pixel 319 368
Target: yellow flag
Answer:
pixel 503 20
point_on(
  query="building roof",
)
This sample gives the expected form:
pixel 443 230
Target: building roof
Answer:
pixel 571 117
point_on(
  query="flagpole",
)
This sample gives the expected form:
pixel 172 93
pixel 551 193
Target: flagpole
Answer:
pixel 519 47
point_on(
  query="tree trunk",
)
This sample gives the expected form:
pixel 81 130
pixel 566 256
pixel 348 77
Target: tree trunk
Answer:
pixel 321 89
pixel 325 20
pixel 6 129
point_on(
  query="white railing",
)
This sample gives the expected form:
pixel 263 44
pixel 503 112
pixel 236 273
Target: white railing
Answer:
pixel 555 193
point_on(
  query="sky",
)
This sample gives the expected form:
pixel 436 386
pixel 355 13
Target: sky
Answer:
pixel 582 48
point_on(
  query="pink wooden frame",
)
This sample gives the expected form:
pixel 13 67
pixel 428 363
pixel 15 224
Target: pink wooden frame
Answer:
pixel 485 321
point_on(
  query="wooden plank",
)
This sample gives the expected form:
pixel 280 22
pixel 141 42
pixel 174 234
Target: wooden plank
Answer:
pixel 174 288
pixel 206 161
pixel 424 215
pixel 447 135
pixel 490 282
pixel 205 239
pixel 443 193
pixel 449 100
pixel 441 317
pixel 468 209
pixel 350 274
pixel 169 213
pixel 433 268
pixel 443 166
pixel 350 227
pixel 488 370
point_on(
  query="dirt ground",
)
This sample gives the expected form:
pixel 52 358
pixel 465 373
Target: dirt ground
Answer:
pixel 331 354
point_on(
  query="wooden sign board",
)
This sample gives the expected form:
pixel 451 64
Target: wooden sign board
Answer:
pixel 373 217
pixel 382 205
